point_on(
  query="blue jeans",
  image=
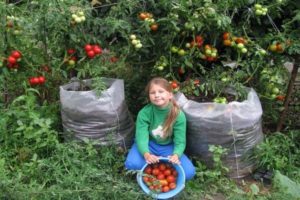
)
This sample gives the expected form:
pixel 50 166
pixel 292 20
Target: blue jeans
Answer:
pixel 136 161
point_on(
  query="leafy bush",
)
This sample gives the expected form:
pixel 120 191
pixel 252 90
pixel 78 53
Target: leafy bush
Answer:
pixel 281 152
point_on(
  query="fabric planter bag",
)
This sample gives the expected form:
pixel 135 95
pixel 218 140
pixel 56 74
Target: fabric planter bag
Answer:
pixel 235 126
pixel 104 119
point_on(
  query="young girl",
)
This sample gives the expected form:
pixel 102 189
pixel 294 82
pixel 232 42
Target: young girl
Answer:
pixel 160 130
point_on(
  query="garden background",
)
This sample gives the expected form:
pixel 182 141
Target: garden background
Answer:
pixel 200 46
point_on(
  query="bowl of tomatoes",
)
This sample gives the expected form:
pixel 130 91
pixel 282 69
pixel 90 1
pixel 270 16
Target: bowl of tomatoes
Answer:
pixel 161 180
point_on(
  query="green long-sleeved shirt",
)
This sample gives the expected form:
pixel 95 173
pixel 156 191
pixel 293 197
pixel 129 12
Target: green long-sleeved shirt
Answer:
pixel 149 127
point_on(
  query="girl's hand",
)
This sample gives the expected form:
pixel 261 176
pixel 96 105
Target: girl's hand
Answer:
pixel 150 158
pixel 174 159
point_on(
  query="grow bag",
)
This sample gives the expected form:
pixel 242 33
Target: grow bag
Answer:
pixel 104 119
pixel 235 126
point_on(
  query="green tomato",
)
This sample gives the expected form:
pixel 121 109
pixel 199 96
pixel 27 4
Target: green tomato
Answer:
pixel 240 45
pixel 134 42
pixel 74 16
pixel 224 79
pixel 78 20
pixel 213 55
pixel 262 52
pixel 160 68
pixel 273 96
pixel 208 52
pixel 257 6
pixel 181 52
pixel 275 90
pixel 187 26
pixel 244 50
pixel 138 46
pixel 71 62
pixel 132 37
pixel 174 49
pixel 188 45
pixel 258 12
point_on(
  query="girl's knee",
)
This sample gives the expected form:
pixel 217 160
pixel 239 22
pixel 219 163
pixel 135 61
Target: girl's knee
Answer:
pixel 190 173
pixel 132 164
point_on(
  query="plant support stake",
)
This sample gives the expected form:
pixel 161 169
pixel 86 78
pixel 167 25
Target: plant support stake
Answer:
pixel 289 93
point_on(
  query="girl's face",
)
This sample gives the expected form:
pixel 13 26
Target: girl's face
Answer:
pixel 159 96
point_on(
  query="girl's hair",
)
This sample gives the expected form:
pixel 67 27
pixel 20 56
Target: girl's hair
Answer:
pixel 174 111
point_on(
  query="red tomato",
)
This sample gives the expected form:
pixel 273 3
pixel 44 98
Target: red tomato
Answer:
pixel 171 179
pixel 172 185
pixel 160 176
pixel 199 40
pixel 162 166
pixel 210 58
pixel 240 40
pixel 31 82
pixel 16 54
pixel 196 82
pixel 12 60
pixel 97 50
pixel 148 170
pixel 279 48
pixel 174 173
pixel 226 35
pixel 154 27
pixel 163 182
pixel 151 187
pixel 280 97
pixel 41 79
pixel 88 47
pixel 143 15
pixel 11 66
pixel 180 71
pixel 73 58
pixel 155 171
pixel 145 179
pixel 165 189
pixel 174 84
pixel 90 54
pixel 167 172
pixel 35 80
pixel 113 59
pixel 71 51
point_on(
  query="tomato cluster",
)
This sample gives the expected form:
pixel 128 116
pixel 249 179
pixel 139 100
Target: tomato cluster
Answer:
pixel 13 25
pixel 37 80
pixel 13 59
pixel 92 50
pixel 135 42
pixel 72 60
pixel 148 17
pixel 78 18
pixel 160 177
pixel 233 41
pixel 276 47
pixel 210 53
pixel 198 41
pixel 260 9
